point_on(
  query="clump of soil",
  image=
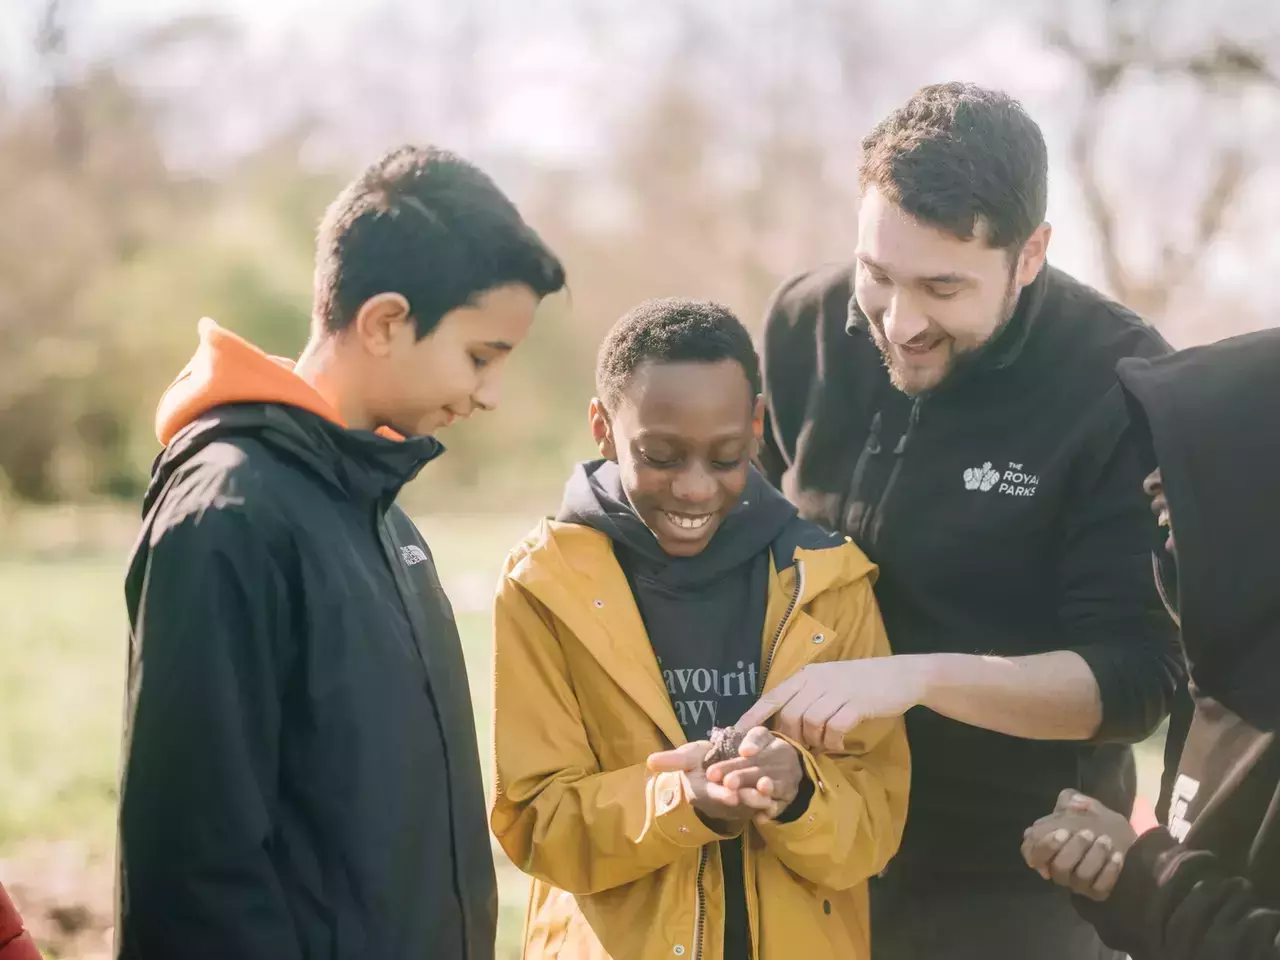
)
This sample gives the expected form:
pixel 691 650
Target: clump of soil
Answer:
pixel 725 742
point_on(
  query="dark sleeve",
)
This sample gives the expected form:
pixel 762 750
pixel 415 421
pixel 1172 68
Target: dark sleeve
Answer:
pixel 1180 904
pixel 1181 714
pixel 1110 608
pixel 201 763
pixel 788 357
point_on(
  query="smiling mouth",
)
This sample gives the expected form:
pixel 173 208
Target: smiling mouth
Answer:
pixel 687 521
pixel 919 349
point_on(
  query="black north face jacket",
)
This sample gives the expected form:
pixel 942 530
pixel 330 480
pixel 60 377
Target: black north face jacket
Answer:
pixel 1006 512
pixel 301 778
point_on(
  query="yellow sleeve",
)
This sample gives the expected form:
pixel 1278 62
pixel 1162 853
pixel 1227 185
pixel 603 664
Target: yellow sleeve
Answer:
pixel 854 821
pixel 555 813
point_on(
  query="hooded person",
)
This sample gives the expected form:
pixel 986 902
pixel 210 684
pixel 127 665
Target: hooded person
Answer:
pixel 300 771
pixel 673 587
pixel 1208 884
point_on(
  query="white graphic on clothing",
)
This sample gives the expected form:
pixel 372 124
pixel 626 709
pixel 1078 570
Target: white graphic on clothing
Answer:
pixel 1184 791
pixel 695 711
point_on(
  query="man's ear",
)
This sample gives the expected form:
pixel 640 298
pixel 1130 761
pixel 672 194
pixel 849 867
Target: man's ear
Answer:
pixel 380 321
pixel 602 431
pixel 1033 254
pixel 757 423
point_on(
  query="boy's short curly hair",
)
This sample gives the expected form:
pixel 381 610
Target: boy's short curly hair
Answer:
pixel 673 331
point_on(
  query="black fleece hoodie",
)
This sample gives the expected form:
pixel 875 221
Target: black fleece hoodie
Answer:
pixel 704 616
pixel 1005 512
pixel 1214 419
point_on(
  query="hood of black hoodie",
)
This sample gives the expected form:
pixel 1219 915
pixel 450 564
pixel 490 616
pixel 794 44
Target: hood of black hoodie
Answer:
pixel 594 497
pixel 1210 413
pixel 232 389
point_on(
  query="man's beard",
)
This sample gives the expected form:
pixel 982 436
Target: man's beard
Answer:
pixel 962 357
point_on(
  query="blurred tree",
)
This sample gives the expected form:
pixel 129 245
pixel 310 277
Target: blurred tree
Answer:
pixel 1169 135
pixel 84 186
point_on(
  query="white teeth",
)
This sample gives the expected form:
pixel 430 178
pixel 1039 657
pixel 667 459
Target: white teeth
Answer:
pixel 689 523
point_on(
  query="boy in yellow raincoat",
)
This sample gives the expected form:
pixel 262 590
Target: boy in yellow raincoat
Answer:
pixel 673 588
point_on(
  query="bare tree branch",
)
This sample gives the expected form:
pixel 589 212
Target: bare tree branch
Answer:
pixel 1224 67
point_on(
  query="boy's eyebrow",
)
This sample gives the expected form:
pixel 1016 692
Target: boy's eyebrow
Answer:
pixel 500 345
pixel 660 434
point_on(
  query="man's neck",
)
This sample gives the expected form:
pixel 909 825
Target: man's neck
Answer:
pixel 323 366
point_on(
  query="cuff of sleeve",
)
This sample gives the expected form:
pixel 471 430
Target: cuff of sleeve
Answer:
pixel 1124 713
pixel 675 816
pixel 794 824
pixel 1120 919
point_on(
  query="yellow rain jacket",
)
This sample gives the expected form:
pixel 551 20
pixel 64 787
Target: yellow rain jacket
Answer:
pixel 624 868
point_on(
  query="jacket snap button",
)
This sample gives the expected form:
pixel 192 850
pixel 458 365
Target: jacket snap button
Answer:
pixel 678 950
pixel 818 637
pixel 598 603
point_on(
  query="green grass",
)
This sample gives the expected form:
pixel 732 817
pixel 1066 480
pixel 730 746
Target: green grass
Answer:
pixel 62 664
pixel 62 668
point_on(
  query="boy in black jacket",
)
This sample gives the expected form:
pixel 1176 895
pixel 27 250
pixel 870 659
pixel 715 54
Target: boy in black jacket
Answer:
pixel 301 777
pixel 1209 884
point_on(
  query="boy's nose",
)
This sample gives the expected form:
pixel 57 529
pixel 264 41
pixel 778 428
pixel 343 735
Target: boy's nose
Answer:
pixel 694 485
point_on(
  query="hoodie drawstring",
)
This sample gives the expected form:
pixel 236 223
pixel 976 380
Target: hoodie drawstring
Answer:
pixel 857 508
pixel 877 515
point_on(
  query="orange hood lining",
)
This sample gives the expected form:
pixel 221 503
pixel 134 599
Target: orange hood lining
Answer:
pixel 226 368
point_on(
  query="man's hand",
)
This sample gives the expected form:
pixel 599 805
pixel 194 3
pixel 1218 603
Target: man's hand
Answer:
pixel 713 801
pixel 824 701
pixel 766 774
pixel 1081 845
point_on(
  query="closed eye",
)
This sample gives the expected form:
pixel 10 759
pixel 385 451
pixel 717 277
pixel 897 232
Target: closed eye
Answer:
pixel 657 462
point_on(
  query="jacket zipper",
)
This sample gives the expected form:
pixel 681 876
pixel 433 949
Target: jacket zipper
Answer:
pixel 786 617
pixel 700 915
pixel 701 905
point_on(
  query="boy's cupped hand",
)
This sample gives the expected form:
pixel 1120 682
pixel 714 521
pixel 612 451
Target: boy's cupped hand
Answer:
pixel 757 784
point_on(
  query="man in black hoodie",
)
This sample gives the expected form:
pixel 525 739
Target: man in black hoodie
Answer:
pixel 949 401
pixel 1208 885
pixel 301 777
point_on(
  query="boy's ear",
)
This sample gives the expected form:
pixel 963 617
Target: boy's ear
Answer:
pixel 757 419
pixel 601 431
pixel 379 321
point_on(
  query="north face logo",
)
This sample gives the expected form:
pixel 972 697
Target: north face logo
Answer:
pixel 981 478
pixel 411 555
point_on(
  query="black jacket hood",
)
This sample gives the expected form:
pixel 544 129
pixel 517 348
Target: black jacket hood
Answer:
pixel 1212 417
pixel 358 464
pixel 594 497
